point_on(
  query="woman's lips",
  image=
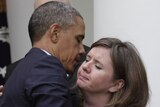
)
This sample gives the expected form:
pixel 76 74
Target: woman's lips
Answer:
pixel 81 77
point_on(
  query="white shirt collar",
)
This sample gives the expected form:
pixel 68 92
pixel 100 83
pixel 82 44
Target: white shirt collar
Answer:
pixel 46 52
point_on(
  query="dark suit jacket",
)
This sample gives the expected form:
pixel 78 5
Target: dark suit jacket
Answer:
pixel 72 79
pixel 39 80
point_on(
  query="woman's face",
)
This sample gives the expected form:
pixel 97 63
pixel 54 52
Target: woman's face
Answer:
pixel 96 72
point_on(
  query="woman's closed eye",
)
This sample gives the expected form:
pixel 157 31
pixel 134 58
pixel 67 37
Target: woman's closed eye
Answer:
pixel 98 66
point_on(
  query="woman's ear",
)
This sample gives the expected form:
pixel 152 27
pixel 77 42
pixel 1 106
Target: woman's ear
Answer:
pixel 55 32
pixel 117 85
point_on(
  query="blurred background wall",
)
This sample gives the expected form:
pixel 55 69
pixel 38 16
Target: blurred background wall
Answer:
pixel 137 21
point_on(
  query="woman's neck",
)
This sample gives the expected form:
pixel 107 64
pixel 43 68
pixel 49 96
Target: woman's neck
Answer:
pixel 96 100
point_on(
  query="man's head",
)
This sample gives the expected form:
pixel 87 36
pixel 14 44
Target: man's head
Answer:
pixel 59 29
pixel 40 2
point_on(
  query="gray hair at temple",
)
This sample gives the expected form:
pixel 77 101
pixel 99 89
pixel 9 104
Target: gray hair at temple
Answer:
pixel 49 13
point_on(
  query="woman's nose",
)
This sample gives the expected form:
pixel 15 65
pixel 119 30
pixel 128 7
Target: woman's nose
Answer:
pixel 86 66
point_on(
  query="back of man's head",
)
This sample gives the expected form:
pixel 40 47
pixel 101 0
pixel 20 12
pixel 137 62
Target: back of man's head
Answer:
pixel 40 2
pixel 49 13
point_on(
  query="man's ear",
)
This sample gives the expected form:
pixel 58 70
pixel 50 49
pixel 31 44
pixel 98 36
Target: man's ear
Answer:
pixel 55 32
pixel 117 85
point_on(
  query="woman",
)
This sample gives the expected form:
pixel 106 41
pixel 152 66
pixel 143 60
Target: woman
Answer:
pixel 113 75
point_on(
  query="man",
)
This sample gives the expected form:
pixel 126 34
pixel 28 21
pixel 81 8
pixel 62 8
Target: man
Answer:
pixel 72 78
pixel 56 31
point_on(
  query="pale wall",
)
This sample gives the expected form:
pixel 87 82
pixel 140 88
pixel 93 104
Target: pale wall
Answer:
pixel 137 21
